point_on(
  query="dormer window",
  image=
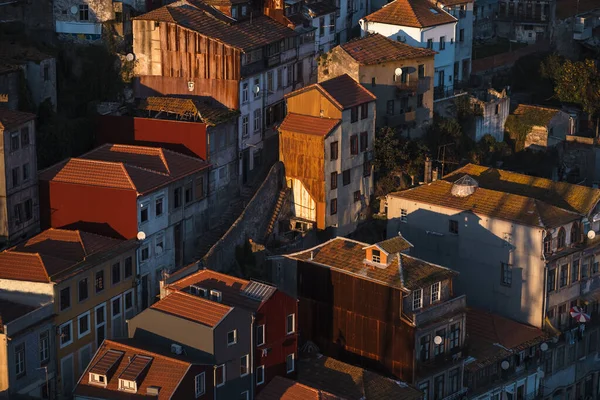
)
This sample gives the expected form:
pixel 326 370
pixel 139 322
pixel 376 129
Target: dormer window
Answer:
pixel 198 291
pixel 97 379
pixel 575 233
pixel 127 386
pixel 548 243
pixel 561 239
pixel 215 295
pixel 417 299
pixel 376 256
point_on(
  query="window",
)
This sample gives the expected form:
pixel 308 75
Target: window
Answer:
pixel 245 395
pixel 322 26
pixel 548 243
pixel 346 177
pixel 46 73
pixel 564 274
pixel 290 324
pixel 128 267
pixel 389 107
pixel 376 256
pixel 260 375
pixel 14 141
pixel 232 337
pixel 366 168
pixel 561 239
pixel 83 324
pixel 419 100
pixel 364 141
pixel 430 43
pixel 116 307
pixel 99 281
pixel 145 253
pixel 424 348
pixel 497 110
pixel 364 111
pixel 454 336
pixel 333 150
pixel 244 365
pixel 189 195
pixel 357 196
pixel 552 280
pixel 15 177
pixel 20 360
pixel 439 348
pixel 279 78
pixel 332 23
pixel 289 363
pixel 256 84
pixel 83 289
pixel 260 335
pixel 244 125
pixel 417 299
pixel 506 274
pixel 220 375
pixel 575 234
pixel 44 345
pixel 333 207
pixel 575 271
pixel 245 92
pixel 177 198
pixel 442 42
pixel 461 35
pixel 26 174
pixel 435 291
pixel 199 384
pixel 216 295
pixel 18 210
pixel 453 379
pixel 373 82
pixel 257 123
pixel 270 85
pixel 453 226
pixel 65 298
pixel 128 296
pixel 559 360
pixel 421 71
pixel 65 332
pixel 84 12
pixel 424 387
pixel 333 180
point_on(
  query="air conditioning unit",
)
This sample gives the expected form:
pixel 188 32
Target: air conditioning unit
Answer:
pixel 176 349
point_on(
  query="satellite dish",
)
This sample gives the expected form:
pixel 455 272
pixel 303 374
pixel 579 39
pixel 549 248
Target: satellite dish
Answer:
pixel 544 347
pixel 256 89
pixel 74 10
pixel 437 340
pixel 398 71
pixel 591 234
pixel 505 365
pixel 141 235
pixel 130 57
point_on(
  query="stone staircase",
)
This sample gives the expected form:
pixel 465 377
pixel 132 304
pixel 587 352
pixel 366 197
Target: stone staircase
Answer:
pixel 280 202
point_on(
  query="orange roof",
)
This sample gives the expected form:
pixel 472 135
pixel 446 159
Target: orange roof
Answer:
pixel 193 308
pixel 138 168
pixel 307 124
pixel 12 119
pixel 375 49
pixel 163 372
pixel 48 255
pixel 413 13
pixel 343 91
pixel 287 389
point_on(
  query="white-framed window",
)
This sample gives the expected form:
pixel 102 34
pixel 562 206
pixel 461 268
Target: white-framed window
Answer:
pixel 199 383
pixel 257 122
pixel 290 363
pixel 216 295
pixel 100 323
pixel 98 379
pixel 245 125
pixel 417 299
pixel 159 206
pixel 66 334
pixel 144 212
pixel 220 375
pixel 232 337
pixel 44 345
pixel 83 325
pixel 84 12
pixel 260 335
pixel 115 307
pixel 20 369
pixel 244 365
pixel 260 375
pixel 245 395
pixel 376 256
pixel 403 215
pixel 256 84
pixel 128 303
pixel 290 324
pixel 145 252
pixel 127 385
pixel 435 291
pixel 270 83
pixel 245 92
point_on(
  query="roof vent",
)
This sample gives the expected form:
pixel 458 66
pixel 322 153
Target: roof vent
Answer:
pixel 464 187
pixel 152 390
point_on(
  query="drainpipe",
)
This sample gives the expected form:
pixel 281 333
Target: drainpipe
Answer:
pixel 214 382
pixel 545 287
pixel 252 347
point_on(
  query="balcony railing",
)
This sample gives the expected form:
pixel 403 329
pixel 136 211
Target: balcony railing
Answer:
pixel 408 118
pixel 406 88
pixel 442 92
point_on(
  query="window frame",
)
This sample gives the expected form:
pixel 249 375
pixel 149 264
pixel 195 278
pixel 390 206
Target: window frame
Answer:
pixel 44 346
pixel 416 299
pixel 293 358
pixel 333 180
pixel 87 290
pixel 20 349
pixel 60 333
pixel 231 343
pixel 223 375
pixel 245 365
pixel 453 226
pixel 333 206
pixel 201 377
pixel 506 274
pixel 346 177
pixel 439 292
pixel 354 145
pixel 364 141
pixel 334 150
pixel 261 375
pixel 287 326
pixel 262 337
pixel 89 324
pixel 62 307
pixel 113 275
pixel 102 282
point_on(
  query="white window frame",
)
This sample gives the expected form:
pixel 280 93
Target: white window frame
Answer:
pixel 201 377
pixel 44 351
pixel 216 295
pixel 262 375
pixel 60 328
pixel 224 375
pixel 437 298
pixel 257 120
pixel 293 357
pixel 247 365
pixel 376 258
pixel 144 205
pixel 245 86
pixel 419 305
pixel 264 335
pixel 120 298
pixel 23 370
pixel 287 331
pixel 132 293
pixel 126 385
pixel 234 337
pixel 245 122
pixel 403 215
pixel 82 367
pixel 89 324
pixel 94 379
pixel 246 394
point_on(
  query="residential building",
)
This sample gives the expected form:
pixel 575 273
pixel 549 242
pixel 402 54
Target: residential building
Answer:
pixel 410 325
pixel 27 353
pixel 505 357
pixel 19 188
pixel 490 109
pixel 328 137
pixel 246 329
pixel 544 127
pixel 33 17
pixel 10 78
pixel 585 24
pixel 89 279
pixel 399 75
pixel 125 369
pixel 323 18
pixel 260 65
pixel 420 23
pixel 525 21
pixel 152 194
pixel 484 19
pixel 580 158
pixel 347 18
pixel 282 388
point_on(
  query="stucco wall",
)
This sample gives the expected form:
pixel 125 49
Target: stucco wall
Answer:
pixel 491 122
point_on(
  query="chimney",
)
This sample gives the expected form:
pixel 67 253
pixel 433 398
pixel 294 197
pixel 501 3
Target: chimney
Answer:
pixel 428 171
pixel 434 175
pixel 312 255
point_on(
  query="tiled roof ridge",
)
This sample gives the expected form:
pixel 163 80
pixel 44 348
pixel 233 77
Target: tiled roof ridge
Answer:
pixel 163 150
pixel 210 271
pixel 423 51
pixel 312 116
pixel 326 243
pixel 203 300
pixel 108 342
pixel 161 154
pixel 36 255
pixel 92 161
pixel 39 257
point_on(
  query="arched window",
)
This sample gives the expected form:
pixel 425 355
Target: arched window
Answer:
pixel 575 233
pixel 548 243
pixel 561 239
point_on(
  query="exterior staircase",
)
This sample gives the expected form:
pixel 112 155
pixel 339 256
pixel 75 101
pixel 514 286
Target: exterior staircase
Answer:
pixel 276 211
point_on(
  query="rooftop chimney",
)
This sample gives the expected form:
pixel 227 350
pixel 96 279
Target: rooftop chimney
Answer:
pixel 428 171
pixel 312 255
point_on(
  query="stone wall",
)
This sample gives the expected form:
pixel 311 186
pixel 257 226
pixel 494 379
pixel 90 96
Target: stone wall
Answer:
pixel 537 138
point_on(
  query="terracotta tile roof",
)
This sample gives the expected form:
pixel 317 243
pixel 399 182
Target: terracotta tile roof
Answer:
pixel 125 167
pixel 485 330
pixel 576 198
pixel 46 256
pixel 346 91
pixel 163 371
pixel 491 203
pixel 413 13
pixel 12 119
pixel 236 292
pixel 350 382
pixel 394 245
pixel 376 49
pixel 307 124
pixel 193 308
pixel 348 256
pixel 287 389
pixel 10 311
pixel 189 108
pixel 207 21
pixel 540 116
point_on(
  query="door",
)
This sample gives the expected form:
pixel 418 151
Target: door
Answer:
pixel 245 166
pixel 66 375
pixel 178 244
pixel 145 292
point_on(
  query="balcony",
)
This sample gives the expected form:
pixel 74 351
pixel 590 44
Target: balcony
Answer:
pixel 406 88
pixel 407 118
pixel 449 307
pixel 425 83
pixel 444 92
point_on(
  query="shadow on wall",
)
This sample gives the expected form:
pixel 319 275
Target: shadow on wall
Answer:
pixel 99 228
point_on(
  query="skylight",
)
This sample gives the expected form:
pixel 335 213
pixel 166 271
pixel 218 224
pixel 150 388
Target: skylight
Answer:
pixel 433 10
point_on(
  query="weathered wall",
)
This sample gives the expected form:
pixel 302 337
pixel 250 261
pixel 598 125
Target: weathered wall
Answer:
pixel 495 111
pixel 537 138
pixel 99 10
pixel 9 85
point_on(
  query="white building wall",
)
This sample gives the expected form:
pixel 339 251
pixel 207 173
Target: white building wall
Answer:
pixel 463 48
pixel 304 205
pixel 26 292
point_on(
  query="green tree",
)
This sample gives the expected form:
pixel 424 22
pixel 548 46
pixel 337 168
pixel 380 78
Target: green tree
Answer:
pixel 386 150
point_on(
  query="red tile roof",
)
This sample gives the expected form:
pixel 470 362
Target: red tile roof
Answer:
pixel 163 372
pixel 413 13
pixel 193 308
pixel 375 49
pixel 138 168
pixel 287 389
pixel 47 256
pixel 307 124
pixel 12 119
pixel 346 91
